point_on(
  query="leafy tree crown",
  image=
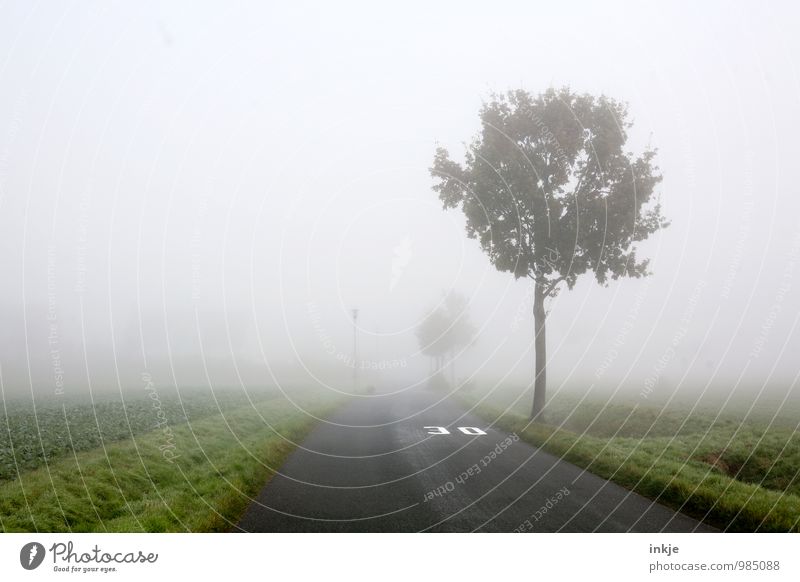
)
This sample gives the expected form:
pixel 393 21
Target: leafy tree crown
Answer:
pixel 447 327
pixel 549 190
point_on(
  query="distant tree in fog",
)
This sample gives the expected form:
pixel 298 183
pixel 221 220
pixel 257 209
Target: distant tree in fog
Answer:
pixel 550 192
pixel 444 331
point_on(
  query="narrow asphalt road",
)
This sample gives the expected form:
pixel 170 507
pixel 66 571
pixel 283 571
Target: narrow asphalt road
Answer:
pixel 373 466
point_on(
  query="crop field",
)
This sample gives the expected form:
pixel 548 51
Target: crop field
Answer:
pixel 115 464
pixel 736 467
pixel 35 432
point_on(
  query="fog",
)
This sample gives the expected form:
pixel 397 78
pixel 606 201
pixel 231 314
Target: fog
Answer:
pixel 204 192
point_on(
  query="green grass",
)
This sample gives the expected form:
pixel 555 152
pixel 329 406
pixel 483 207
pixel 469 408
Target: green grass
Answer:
pixel 736 470
pixel 221 462
pixel 31 436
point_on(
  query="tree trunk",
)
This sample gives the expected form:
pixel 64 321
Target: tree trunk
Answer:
pixel 540 343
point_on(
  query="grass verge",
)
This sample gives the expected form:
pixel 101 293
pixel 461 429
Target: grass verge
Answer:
pixel 32 436
pixel 741 479
pixel 215 466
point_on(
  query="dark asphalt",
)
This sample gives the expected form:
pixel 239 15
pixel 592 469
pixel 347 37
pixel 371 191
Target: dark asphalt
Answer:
pixel 372 466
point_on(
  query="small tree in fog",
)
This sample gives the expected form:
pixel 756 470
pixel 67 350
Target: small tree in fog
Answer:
pixel 444 331
pixel 550 192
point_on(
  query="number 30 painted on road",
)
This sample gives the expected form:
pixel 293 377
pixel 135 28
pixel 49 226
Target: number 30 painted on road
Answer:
pixel 470 430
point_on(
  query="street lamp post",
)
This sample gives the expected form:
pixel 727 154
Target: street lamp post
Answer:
pixel 355 350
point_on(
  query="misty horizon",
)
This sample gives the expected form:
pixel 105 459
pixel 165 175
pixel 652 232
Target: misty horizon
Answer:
pixel 208 202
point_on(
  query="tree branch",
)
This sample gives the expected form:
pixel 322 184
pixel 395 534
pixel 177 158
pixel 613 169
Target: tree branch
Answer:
pixel 552 286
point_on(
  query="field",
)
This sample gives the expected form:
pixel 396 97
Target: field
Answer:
pixel 59 426
pixel 736 467
pixel 190 461
pixel 123 469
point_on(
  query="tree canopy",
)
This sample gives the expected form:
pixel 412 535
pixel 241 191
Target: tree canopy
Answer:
pixel 446 328
pixel 549 190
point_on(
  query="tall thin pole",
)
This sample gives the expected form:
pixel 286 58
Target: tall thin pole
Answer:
pixel 377 376
pixel 355 350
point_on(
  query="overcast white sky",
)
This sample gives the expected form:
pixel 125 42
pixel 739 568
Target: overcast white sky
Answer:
pixel 237 176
